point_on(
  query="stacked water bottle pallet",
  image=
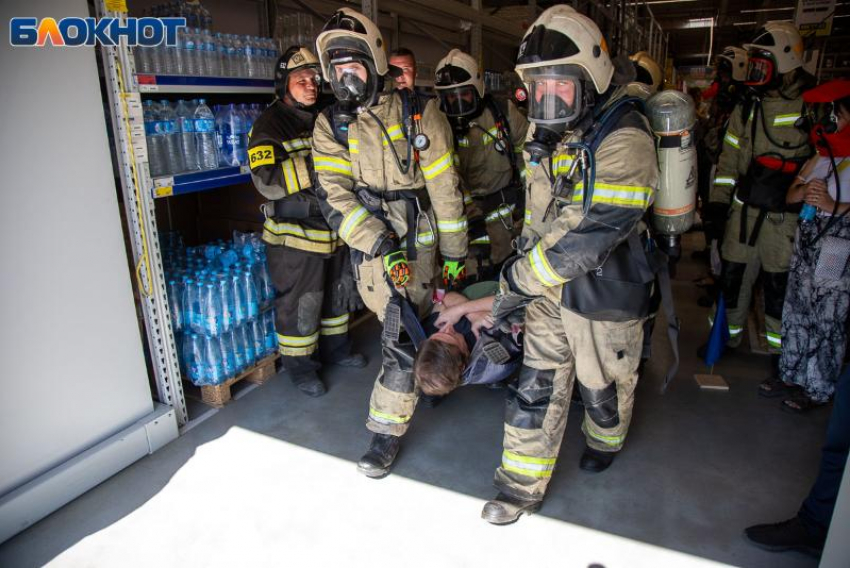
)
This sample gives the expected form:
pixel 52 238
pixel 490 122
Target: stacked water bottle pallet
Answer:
pixel 220 297
pixel 219 395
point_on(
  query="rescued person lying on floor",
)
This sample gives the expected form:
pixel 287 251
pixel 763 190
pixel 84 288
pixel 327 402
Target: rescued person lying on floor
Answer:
pixel 464 347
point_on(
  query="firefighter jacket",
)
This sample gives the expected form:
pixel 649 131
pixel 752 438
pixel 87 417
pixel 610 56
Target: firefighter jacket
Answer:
pixel 559 242
pixel 484 170
pixel 769 117
pixel 368 162
pixel 282 170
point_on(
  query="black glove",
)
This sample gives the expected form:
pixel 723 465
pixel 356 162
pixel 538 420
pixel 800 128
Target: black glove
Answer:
pixel 714 216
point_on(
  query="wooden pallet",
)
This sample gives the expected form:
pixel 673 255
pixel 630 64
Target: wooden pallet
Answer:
pixel 259 373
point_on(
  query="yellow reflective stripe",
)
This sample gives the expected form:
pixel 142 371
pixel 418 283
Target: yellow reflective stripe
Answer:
pixel 502 212
pixel 485 139
pixel 339 320
pixel 385 418
pixel 561 164
pixel 296 144
pixel 752 114
pixel 542 269
pixel 732 140
pixel 296 340
pixel 738 201
pixel 298 231
pixel 298 351
pixel 774 339
pixel 327 164
pixel 527 218
pixel 608 440
pixel 452 225
pixel 730 181
pixel 290 177
pixel 485 240
pixel 353 146
pixel 467 198
pixel 395 132
pixel 352 220
pixel 612 194
pixel 528 466
pixel 733 329
pixel 437 166
pixel 463 142
pixel 335 326
pixel 785 119
pixel 422 239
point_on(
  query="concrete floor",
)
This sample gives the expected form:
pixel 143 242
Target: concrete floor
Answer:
pixel 242 489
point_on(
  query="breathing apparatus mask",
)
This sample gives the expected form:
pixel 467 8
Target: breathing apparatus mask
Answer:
pixel 761 71
pixel 556 102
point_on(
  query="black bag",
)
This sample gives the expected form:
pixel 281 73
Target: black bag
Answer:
pixel 619 290
pixel 765 187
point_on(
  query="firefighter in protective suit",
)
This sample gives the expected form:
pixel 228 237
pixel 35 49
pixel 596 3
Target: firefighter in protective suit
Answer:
pixel 488 139
pixel 763 149
pixel 593 173
pixel 308 262
pixel 388 186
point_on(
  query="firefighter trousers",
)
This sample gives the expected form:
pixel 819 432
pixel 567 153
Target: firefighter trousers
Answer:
pixel 311 324
pixel 770 255
pixel 394 394
pixel 558 345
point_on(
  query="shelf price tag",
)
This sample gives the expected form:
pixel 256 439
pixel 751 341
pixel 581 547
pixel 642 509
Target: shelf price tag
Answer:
pixel 163 191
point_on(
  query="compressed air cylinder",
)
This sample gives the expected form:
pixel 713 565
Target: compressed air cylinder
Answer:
pixel 672 117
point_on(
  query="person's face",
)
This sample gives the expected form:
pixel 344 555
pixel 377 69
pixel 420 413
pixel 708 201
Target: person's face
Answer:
pixel 466 95
pixel 408 67
pixel 353 67
pixel 843 116
pixel 561 88
pixel 447 334
pixel 303 86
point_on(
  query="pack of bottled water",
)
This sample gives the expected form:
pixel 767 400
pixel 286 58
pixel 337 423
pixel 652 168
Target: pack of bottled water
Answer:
pixel 220 296
pixel 188 136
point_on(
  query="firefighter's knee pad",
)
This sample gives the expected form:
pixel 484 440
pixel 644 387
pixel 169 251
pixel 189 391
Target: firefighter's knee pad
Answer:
pixel 528 402
pixel 601 405
pixel 731 280
pixel 775 284
pixel 398 381
pixel 309 312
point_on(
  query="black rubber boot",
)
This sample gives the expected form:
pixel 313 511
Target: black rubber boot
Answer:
pixel 376 462
pixel 787 535
pixel 355 360
pixel 310 384
pixel 595 461
pixel 504 509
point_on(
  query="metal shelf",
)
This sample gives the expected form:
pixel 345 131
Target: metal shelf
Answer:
pixel 194 182
pixel 166 84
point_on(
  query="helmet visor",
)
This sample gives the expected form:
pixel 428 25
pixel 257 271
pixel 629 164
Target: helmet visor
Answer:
pixel 760 71
pixel 353 78
pixel 459 101
pixel 554 95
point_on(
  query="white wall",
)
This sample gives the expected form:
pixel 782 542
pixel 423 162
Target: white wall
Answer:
pixel 71 361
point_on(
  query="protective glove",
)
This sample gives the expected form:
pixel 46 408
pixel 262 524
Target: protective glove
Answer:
pixel 396 267
pixel 346 298
pixel 454 273
pixel 714 219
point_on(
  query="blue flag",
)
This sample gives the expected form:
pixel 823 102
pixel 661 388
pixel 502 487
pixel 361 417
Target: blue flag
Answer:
pixel 719 334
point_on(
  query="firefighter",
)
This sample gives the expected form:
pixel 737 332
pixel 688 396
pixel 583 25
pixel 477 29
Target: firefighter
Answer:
pixel 309 263
pixel 489 137
pixel 593 175
pixel 763 150
pixel 388 186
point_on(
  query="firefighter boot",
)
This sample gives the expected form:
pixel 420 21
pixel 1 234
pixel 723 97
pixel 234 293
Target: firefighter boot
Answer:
pixel 355 360
pixel 595 461
pixel 504 509
pixel 376 462
pixel 309 383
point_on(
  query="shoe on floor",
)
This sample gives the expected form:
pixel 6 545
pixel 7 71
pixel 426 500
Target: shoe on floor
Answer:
pixel 800 403
pixel 787 535
pixel 773 387
pixel 378 460
pixel 355 360
pixel 595 461
pixel 504 509
pixel 310 384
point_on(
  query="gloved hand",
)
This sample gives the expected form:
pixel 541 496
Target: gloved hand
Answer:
pixel 714 219
pixel 396 267
pixel 346 298
pixel 454 273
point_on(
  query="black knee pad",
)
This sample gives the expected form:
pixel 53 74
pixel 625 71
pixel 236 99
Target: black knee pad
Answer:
pixel 731 280
pixel 601 405
pixel 398 381
pixel 527 403
pixel 775 284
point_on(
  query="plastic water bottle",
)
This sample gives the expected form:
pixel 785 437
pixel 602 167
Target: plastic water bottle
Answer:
pixel 252 57
pixel 248 341
pixel 143 59
pixel 241 63
pixel 175 304
pixel 808 212
pixel 213 366
pixel 155 140
pixel 232 62
pixel 168 123
pixel 200 51
pixel 225 293
pixel 193 352
pixel 227 258
pixel 191 308
pixel 234 136
pixel 248 116
pixel 270 331
pixel 186 128
pixel 205 143
pixel 225 344
pixel 211 308
pixel 257 334
pixel 240 308
pixel 180 54
pixel 263 280
pixel 211 58
pixel 237 346
pixel 250 290
pixel 221 46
